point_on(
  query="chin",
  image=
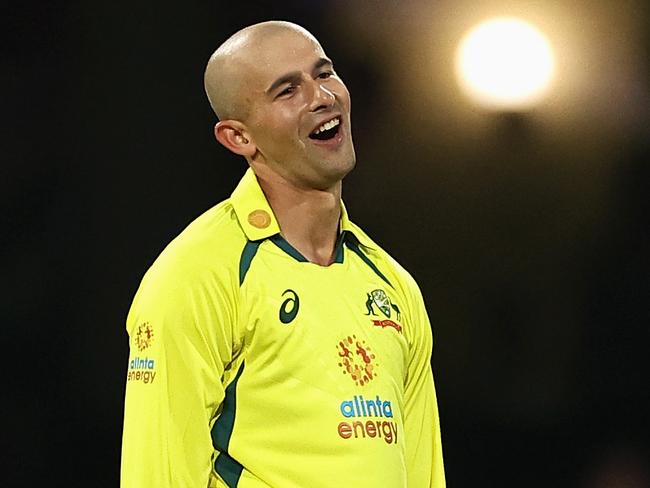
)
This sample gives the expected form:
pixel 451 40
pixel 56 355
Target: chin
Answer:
pixel 338 172
pixel 350 162
pixel 349 167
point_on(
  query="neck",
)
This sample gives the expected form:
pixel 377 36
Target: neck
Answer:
pixel 308 218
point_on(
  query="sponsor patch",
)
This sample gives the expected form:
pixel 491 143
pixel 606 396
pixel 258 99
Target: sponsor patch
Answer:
pixel 141 369
pixel 367 419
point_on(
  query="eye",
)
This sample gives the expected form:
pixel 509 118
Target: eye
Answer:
pixel 325 74
pixel 287 91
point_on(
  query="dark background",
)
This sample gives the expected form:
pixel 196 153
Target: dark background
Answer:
pixel 528 233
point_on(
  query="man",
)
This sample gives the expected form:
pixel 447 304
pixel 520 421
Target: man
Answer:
pixel 273 343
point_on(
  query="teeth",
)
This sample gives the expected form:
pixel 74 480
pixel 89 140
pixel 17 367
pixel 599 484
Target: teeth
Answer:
pixel 328 125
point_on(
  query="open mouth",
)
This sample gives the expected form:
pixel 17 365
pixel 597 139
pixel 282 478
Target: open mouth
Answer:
pixel 327 131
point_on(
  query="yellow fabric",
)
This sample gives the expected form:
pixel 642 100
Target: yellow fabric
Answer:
pixel 301 376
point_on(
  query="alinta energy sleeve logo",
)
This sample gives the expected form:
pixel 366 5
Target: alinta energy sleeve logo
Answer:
pixel 142 369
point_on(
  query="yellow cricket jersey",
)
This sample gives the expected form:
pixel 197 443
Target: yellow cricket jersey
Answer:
pixel 251 367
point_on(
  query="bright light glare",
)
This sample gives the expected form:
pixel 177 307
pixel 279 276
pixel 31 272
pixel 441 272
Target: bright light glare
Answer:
pixel 505 63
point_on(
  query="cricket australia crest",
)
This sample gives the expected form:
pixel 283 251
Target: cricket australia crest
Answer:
pixel 379 299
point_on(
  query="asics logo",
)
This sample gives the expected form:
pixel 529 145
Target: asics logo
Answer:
pixel 290 306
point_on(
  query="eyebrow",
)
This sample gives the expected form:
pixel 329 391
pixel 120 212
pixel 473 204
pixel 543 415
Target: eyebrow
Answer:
pixel 295 75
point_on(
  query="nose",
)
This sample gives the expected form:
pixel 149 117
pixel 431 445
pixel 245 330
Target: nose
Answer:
pixel 322 97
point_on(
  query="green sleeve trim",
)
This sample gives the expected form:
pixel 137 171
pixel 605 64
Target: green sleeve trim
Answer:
pixel 354 247
pixel 247 255
pixel 229 469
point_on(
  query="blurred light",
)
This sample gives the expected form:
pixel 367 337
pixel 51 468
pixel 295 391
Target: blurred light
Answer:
pixel 505 63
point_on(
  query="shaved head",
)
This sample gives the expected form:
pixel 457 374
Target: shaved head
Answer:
pixel 232 65
pixel 281 105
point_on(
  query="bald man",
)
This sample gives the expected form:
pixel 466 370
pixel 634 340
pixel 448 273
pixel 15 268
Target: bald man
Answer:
pixel 273 343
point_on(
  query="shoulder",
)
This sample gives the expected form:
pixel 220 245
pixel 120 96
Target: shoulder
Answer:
pixel 205 254
pixel 410 301
pixel 398 276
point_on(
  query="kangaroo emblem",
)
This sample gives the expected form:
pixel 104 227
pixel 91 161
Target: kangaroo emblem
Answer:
pixel 379 299
pixel 369 304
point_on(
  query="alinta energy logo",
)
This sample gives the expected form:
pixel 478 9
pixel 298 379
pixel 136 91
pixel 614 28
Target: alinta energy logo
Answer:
pixel 141 369
pixel 379 299
pixel 367 419
pixel 144 336
pixel 357 360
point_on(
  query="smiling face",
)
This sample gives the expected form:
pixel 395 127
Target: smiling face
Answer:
pixel 298 109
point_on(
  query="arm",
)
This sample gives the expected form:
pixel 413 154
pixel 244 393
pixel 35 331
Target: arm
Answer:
pixel 424 462
pixel 180 330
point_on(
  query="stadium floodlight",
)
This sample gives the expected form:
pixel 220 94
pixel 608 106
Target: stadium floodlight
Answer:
pixel 505 64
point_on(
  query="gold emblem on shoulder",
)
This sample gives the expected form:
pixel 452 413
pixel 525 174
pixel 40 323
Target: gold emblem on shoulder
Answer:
pixel 259 218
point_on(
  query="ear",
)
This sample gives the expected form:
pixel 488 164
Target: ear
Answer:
pixel 234 137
